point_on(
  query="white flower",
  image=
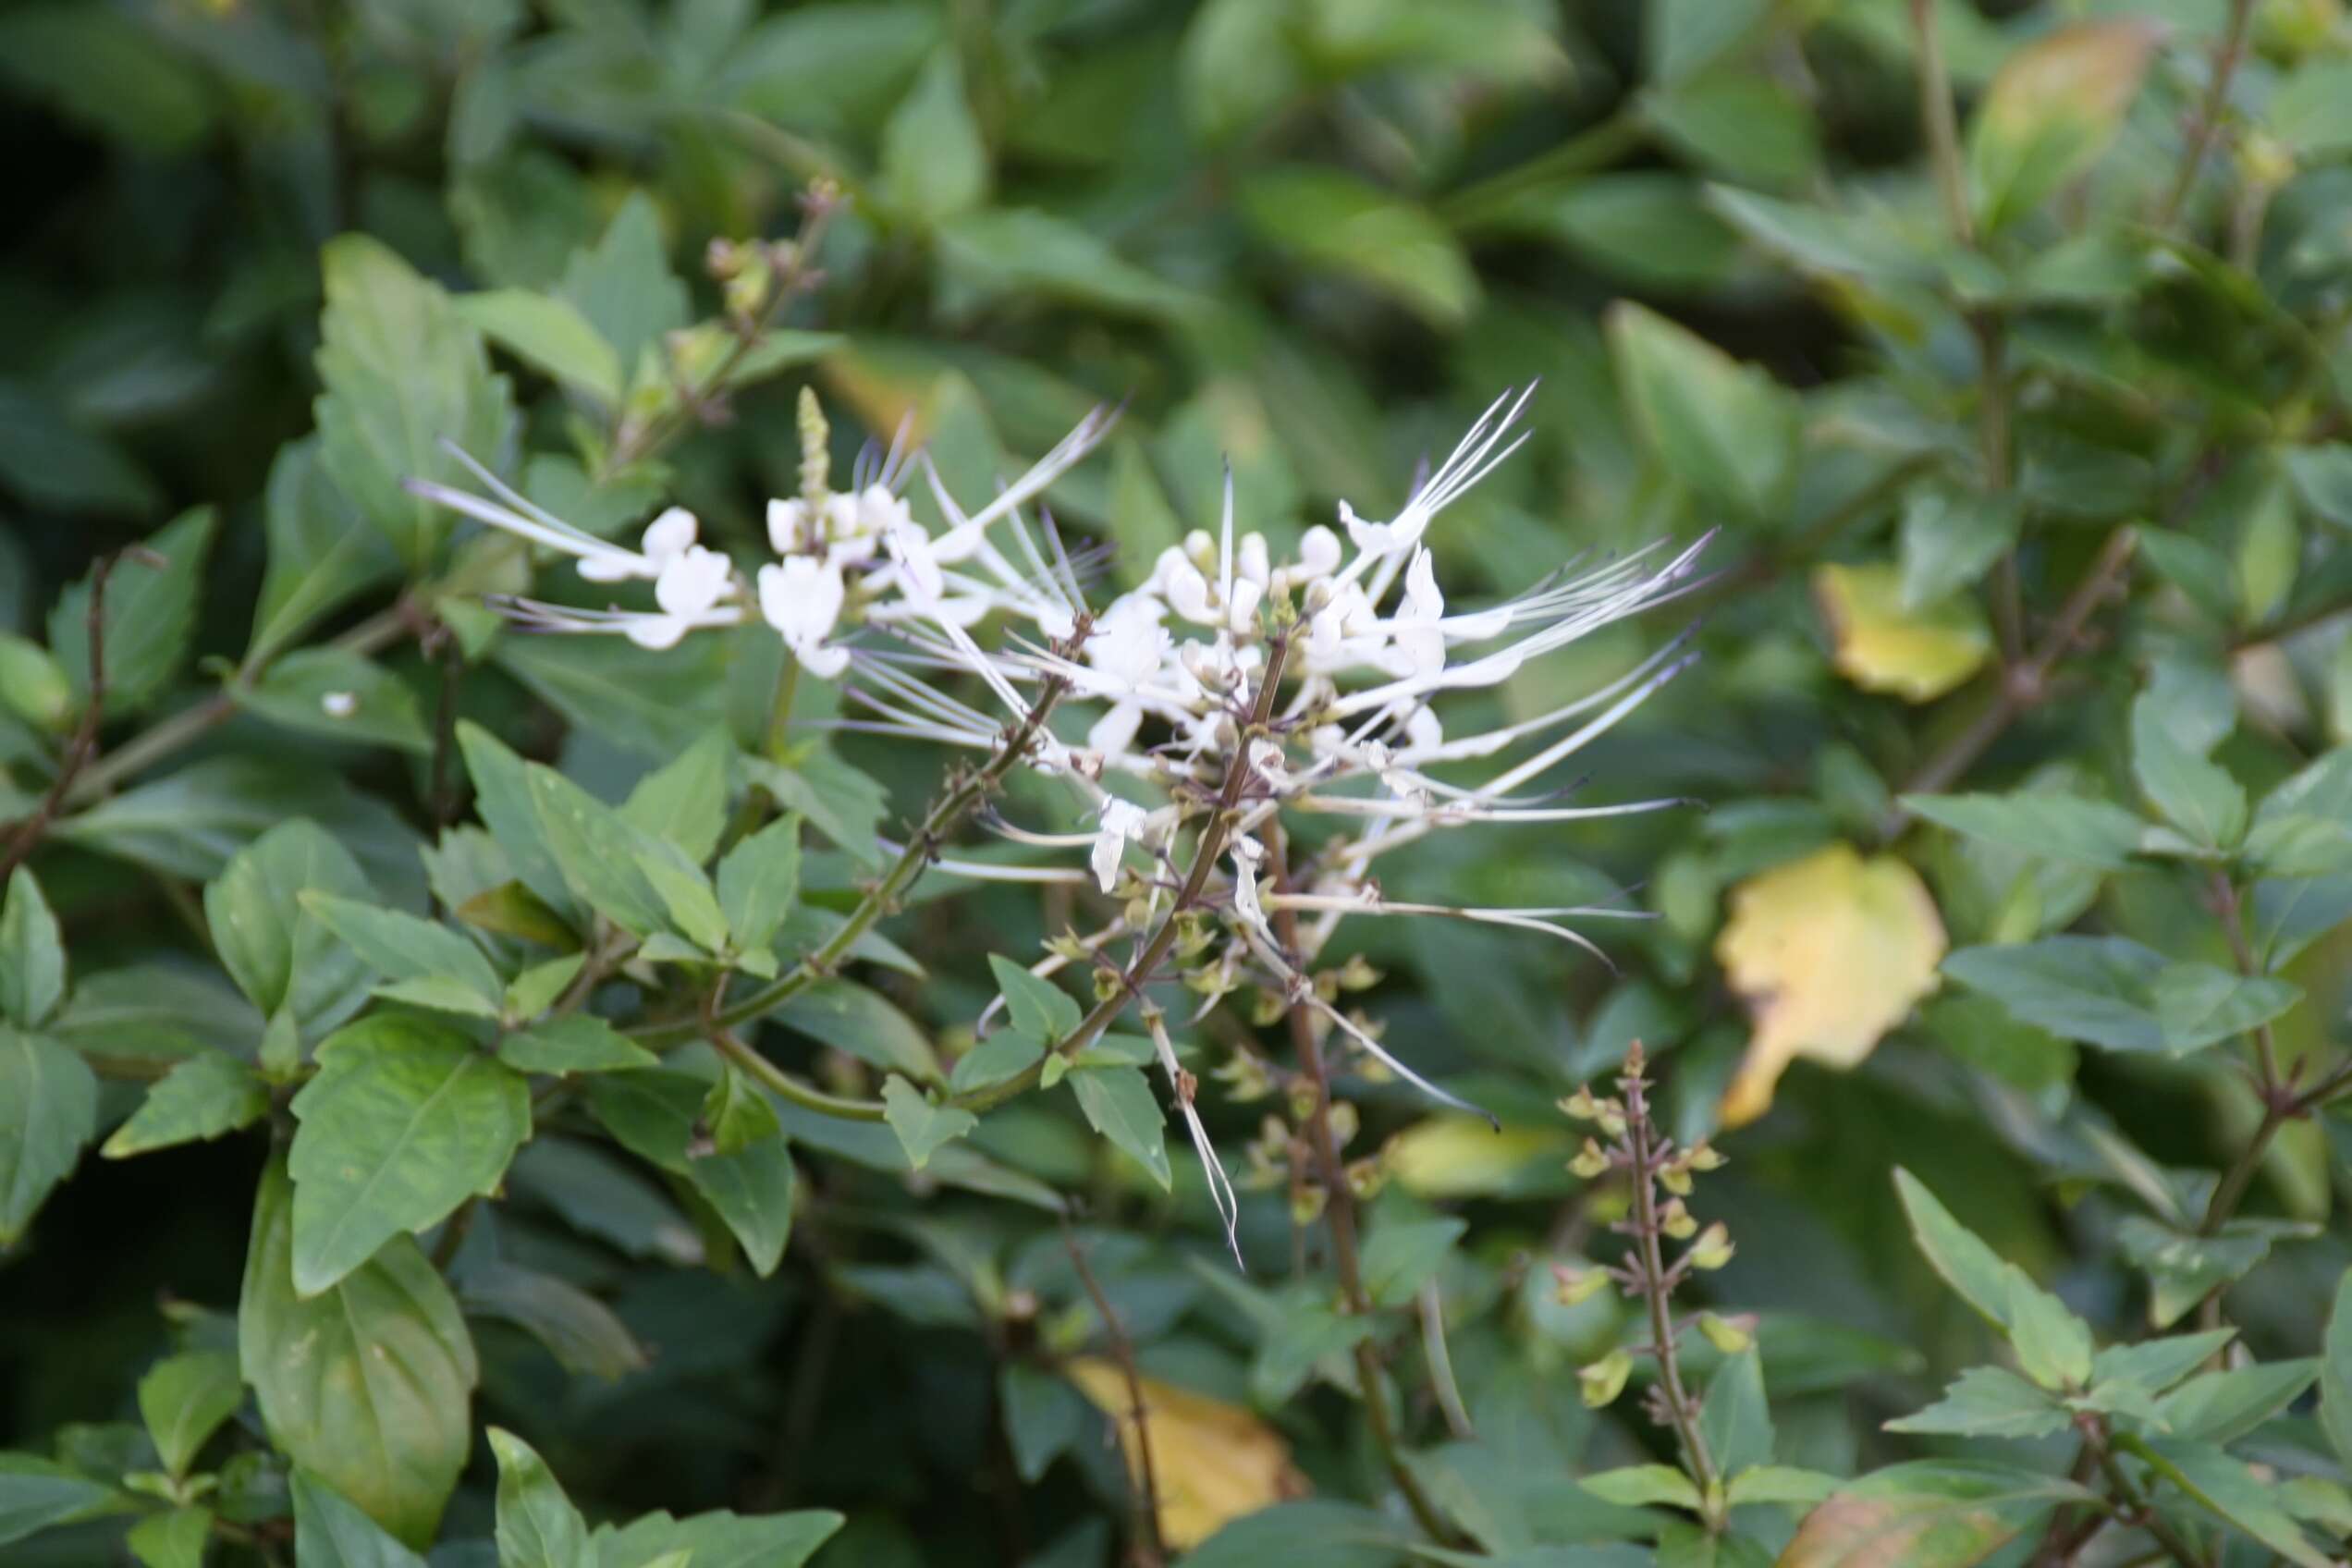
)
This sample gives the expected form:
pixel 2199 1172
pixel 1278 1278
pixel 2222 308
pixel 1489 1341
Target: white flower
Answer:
pixel 789 530
pixel 1122 821
pixel 667 537
pixel 1418 635
pixel 802 597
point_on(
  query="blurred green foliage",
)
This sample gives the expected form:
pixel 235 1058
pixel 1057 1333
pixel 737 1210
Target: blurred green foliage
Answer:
pixel 2012 375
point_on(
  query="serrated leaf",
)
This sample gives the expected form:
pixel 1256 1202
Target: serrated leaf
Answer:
pixel 548 333
pixel 759 882
pixel 2220 1407
pixel 404 1121
pixel 684 801
pixel 321 552
pixel 281 956
pixel 369 1383
pixel 579 1043
pixel 1641 1486
pixel 1953 1251
pixel 1725 429
pixel 1949 541
pixel 403 948
pixel 1400 1255
pixel 48 1111
pixel 862 1023
pixel 922 1126
pixel 2197 796
pixel 656 1114
pixel 2157 1364
pixel 1037 1006
pixel 594 851
pixel 1929 1514
pixel 716 1540
pixel 1119 1105
pixel 32 955
pixel 2113 992
pixel 2232 1492
pixel 2041 822
pixel 402 373
pixel 209 1094
pixel 1004 1055
pixel 1734 1415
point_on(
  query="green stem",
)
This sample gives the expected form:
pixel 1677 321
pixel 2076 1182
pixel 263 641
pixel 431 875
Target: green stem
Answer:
pixel 2209 112
pixel 787 1087
pixel 1940 121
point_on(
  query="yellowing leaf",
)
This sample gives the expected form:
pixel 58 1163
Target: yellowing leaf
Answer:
pixel 1460 1156
pixel 1830 953
pixel 1212 1461
pixel 2052 109
pixel 1917 654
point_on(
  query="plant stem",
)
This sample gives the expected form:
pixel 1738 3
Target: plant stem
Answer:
pixel 1657 1284
pixel 1339 1201
pixel 2024 686
pixel 1940 121
pixel 2209 111
pixel 806 1095
pixel 1431 1305
pixel 2278 1106
pixel 1150 1548
pixel 84 744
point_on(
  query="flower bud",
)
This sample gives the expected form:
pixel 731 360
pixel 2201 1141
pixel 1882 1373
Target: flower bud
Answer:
pixel 1675 1177
pixel 1267 1007
pixel 1590 1161
pixel 1306 1205
pixel 1724 1334
pixel 1675 1220
pixel 1578 1285
pixel 1366 1176
pixel 816 450
pixel 1345 1122
pixel 1245 1078
pixel 1582 1105
pixel 1704 1157
pixel 1358 974
pixel 1605 1380
pixel 1713 1248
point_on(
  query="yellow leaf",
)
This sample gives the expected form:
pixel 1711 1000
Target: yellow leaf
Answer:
pixel 1459 1157
pixel 1917 654
pixel 1212 1461
pixel 2052 108
pixel 1828 953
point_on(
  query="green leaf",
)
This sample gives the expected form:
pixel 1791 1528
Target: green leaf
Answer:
pixel 370 1382
pixel 2157 1364
pixel 2335 1372
pixel 2041 822
pixel 1043 1416
pixel 716 1540
pixel 335 693
pixel 281 956
pixel 657 1115
pixel 594 850
pixel 433 965
pixel 1734 1415
pixel 997 252
pixel 578 1043
pixel 539 986
pixel 2113 992
pixel 1119 1105
pixel 1681 38
pixel 209 1094
pixel 580 1332
pixel 1929 1515
pixel 503 795
pixel 322 553
pixel 176 1539
pixel 1742 124
pixel 38 1493
pixel 1724 429
pixel 759 881
pixel 1986 1402
pixel 2051 111
pixel 33 684
pixel 922 1126
pixel 839 800
pixel 735 1114
pixel 1400 1256
pixel 1002 1056
pixel 934 163
pixel 684 801
pixel 685 892
pixel 1952 1250
pixel 623 285
pixel 402 374
pixel 1779 1483
pixel 185 1399
pixel 48 1110
pixel 404 1121
pixel 32 955
pixel 1827 242
pixel 548 333
pixel 2052 1345
pixel 2184 1267
pixel 2310 112
pixel 2321 475
pixel 1643 1486
pixel 330 1532
pixel 1036 1006
pixel 2233 1493
pixel 538 1527
pixel 2197 796
pixel 2220 1407
pixel 1334 221
pixel 1950 540
pixel 149 615
pixel 851 1018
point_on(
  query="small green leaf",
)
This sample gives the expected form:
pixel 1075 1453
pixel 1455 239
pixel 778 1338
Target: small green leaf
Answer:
pixel 281 956
pixel 2321 475
pixel 185 1399
pixel 922 1126
pixel 1037 1007
pixel 538 988
pixel 454 975
pixel 1002 1056
pixel 2197 796
pixel 2233 1493
pixel 759 881
pixel 864 1023
pixel 48 1111
pixel 2184 1267
pixel 32 955
pixel 2310 111
pixel 329 1531
pixel 209 1094
pixel 341 694
pixel 2111 991
pixel 1779 1483
pixel 1949 541
pixel 503 794
pixel 716 1540
pixel 1334 221
pixel 1986 1402
pixel 150 615
pixel 1641 1486
pixel 735 1114
pixel 2052 1345
pixel 685 801
pixel 593 849
pixel 404 1121
pixel 1119 1105
pixel 2041 822
pixel 36 1493
pixel 2335 1372
pixel 176 1539
pixel 657 1116
pixel 579 1043
pixel 1734 1415
pixel 321 552
pixel 2220 1407
pixel 934 161
pixel 1725 429
pixel 1400 1255
pixel 549 333
pixel 1953 1251
pixel 538 1527
pixel 2157 1364
pixel 370 1383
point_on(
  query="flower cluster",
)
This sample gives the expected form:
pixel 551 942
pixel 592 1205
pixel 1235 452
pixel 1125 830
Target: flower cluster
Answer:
pixel 1230 696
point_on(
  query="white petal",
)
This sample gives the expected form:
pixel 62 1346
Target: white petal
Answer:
pixel 1116 729
pixel 1320 550
pixel 670 534
pixel 692 581
pixel 788 526
pixel 656 631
